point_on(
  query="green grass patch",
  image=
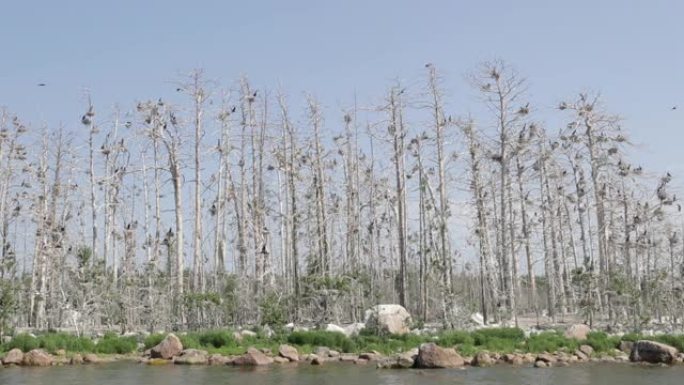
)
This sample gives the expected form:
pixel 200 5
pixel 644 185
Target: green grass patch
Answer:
pixel 550 342
pixel 601 342
pixel 115 344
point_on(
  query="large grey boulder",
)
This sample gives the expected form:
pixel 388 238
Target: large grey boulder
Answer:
pixel 170 347
pixel 577 331
pixel 253 357
pixel 192 357
pixel 289 352
pixel 391 319
pixel 37 357
pixel 653 352
pixel 13 357
pixel 431 356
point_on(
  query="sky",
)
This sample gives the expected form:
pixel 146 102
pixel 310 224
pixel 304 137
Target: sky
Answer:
pixel 124 51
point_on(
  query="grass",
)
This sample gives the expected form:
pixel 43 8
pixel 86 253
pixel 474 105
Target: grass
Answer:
pixel 52 342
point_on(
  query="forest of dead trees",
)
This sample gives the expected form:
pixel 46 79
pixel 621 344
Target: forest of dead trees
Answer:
pixel 235 207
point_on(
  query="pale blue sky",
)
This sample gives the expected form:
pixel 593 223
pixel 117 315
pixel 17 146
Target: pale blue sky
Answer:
pixel 124 51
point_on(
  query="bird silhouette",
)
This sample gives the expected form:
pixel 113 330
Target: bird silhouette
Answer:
pixel 674 108
pixel 41 84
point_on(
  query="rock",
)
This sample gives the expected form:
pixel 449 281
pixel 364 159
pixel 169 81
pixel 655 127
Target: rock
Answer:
pixel 242 334
pixel 513 359
pixel 91 358
pixel 482 359
pixel 289 352
pixel 540 364
pixel 37 357
pixel 360 361
pixel 371 356
pixel 407 360
pixel 192 357
pixel 546 357
pixel 397 361
pixel 581 356
pixel 317 361
pixel 60 352
pixel 577 331
pixel 334 328
pixel 158 361
pixel 354 329
pixel 679 358
pixel 433 356
pixel 586 349
pixel 321 351
pixel 390 319
pixel 333 354
pixel 653 352
pixel 76 359
pixel 217 359
pixel 348 357
pixel 626 346
pixel 13 357
pixel 280 360
pixel 169 347
pixel 529 358
pixel 266 351
pixel 477 318
pixel 247 333
pixel 253 357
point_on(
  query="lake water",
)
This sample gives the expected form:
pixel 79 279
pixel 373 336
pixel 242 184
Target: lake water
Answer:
pixel 337 374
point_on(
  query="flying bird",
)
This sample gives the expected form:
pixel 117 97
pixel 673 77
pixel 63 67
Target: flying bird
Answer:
pixel 674 108
pixel 41 84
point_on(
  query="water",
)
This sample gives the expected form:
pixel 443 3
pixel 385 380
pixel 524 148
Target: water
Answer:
pixel 336 374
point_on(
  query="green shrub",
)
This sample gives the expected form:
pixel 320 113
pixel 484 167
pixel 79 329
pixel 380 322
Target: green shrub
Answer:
pixel 453 338
pixel 216 338
pixel 333 340
pixel 52 342
pixel 190 341
pixel 24 342
pixel 632 337
pixel 113 344
pixel 601 342
pixel 153 340
pixel 550 342
pixel 513 334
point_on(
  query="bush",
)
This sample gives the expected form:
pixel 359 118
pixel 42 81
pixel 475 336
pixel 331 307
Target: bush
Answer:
pixel 513 334
pixel 153 340
pixel 190 341
pixel 632 337
pixel 24 342
pixel 601 342
pixel 56 341
pixel 113 344
pixel 550 342
pixel 333 340
pixel 453 338
pixel 216 338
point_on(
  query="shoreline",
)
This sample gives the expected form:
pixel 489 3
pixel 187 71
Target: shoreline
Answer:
pixel 428 355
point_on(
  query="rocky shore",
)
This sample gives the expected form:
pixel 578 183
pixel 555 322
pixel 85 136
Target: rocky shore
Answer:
pixel 426 356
